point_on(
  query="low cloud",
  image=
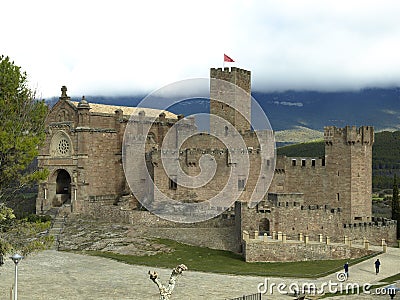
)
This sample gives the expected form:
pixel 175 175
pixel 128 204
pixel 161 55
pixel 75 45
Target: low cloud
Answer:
pixel 389 111
pixel 129 47
pixel 286 103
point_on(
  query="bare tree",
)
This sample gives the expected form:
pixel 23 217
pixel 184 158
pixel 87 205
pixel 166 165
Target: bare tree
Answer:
pixel 166 291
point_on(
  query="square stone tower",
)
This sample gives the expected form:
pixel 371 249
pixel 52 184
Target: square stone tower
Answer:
pixel 230 98
pixel 348 154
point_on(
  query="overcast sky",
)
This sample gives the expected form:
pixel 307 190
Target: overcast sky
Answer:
pixel 130 47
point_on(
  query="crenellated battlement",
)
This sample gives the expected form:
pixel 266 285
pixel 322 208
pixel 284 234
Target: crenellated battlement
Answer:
pixel 311 208
pixel 266 134
pixel 270 248
pixel 304 162
pixel 220 72
pixel 350 135
pixel 376 222
pixel 198 151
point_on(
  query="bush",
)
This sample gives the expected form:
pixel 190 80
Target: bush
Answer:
pixel 32 218
pixel 42 243
pixel 5 247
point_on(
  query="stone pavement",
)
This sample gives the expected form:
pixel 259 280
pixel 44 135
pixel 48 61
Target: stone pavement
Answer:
pixel 63 275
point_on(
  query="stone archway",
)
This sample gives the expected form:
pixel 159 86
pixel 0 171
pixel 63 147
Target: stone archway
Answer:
pixel 63 188
pixel 264 226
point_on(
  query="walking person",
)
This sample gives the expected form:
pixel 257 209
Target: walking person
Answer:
pixel 377 265
pixel 346 269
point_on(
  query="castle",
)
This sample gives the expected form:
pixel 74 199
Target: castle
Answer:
pixel 329 196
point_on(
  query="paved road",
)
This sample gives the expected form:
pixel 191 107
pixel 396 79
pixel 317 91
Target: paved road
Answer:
pixel 62 275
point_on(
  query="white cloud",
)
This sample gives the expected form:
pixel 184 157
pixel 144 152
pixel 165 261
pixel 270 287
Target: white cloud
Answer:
pixel 389 111
pixel 287 103
pixel 126 47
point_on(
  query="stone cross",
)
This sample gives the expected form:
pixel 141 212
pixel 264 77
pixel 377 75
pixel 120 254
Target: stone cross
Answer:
pixel 64 91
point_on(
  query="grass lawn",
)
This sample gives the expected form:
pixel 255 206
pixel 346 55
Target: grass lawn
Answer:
pixel 219 261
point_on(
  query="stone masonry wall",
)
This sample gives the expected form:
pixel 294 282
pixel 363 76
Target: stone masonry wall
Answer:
pixel 230 101
pixel 217 233
pixel 313 221
pixel 260 251
pixel 104 166
pixel 189 162
pixel 342 178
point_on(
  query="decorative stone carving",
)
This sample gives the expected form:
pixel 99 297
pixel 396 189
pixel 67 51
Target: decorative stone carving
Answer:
pixel 61 145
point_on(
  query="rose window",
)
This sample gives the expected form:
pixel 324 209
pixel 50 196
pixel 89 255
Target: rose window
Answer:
pixel 63 147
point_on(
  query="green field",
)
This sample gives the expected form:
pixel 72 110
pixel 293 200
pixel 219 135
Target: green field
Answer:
pixel 219 261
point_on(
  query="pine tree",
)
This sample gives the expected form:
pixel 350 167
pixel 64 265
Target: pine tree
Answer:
pixel 21 131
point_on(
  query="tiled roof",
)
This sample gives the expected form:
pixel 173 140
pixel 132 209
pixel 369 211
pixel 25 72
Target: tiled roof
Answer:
pixel 127 110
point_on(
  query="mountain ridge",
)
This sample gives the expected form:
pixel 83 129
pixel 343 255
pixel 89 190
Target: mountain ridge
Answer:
pixel 378 107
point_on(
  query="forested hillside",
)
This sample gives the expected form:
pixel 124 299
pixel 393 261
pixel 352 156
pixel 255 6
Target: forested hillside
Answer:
pixel 385 156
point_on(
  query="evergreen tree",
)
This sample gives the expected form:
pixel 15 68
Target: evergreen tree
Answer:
pixel 396 204
pixel 22 119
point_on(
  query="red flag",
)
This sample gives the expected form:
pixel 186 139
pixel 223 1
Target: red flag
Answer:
pixel 227 58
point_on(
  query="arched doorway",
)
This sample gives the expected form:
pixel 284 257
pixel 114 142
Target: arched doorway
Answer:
pixel 63 188
pixel 263 226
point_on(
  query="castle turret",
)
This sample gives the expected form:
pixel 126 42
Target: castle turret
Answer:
pixel 348 155
pixel 230 98
pixel 83 113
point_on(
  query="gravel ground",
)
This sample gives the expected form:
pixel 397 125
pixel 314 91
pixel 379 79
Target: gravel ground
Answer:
pixel 63 275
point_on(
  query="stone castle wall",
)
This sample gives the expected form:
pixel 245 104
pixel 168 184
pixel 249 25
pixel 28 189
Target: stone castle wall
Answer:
pixel 189 159
pixel 303 175
pixel 218 233
pixel 342 178
pixel 313 220
pixel 270 251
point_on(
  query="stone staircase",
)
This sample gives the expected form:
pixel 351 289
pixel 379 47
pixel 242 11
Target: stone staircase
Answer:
pixel 58 221
pixel 56 230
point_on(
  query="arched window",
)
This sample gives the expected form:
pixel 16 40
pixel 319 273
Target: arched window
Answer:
pixel 60 145
pixel 263 226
